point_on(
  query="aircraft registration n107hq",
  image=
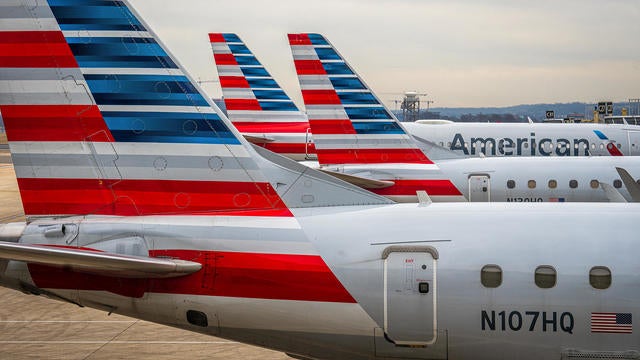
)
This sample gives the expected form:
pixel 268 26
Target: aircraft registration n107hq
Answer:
pixel 143 200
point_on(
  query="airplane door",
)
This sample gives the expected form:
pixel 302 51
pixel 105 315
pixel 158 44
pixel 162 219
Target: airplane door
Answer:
pixel 410 295
pixel 479 188
pixel 634 142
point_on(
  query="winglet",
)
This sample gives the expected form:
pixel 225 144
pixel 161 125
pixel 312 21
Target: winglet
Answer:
pixel 612 193
pixel 632 186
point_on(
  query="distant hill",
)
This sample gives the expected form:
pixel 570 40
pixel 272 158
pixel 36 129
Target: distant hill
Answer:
pixel 516 113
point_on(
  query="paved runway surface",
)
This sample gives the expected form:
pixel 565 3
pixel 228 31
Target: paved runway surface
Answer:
pixel 34 327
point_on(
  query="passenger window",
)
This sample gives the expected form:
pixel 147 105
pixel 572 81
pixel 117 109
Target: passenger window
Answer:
pixel 594 184
pixel 491 276
pixel 600 277
pixel 531 184
pixel 601 146
pixel 553 184
pixel 545 276
pixel 511 184
pixel 619 146
pixel 573 184
pixel 617 183
pixel 593 146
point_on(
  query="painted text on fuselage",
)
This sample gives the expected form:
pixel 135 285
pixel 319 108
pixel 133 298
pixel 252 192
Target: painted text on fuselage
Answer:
pixel 530 146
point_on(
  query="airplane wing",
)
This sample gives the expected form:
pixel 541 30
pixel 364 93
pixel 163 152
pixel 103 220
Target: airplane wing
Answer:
pixel 258 139
pixel 612 193
pixel 96 262
pixel 630 184
pixel 360 181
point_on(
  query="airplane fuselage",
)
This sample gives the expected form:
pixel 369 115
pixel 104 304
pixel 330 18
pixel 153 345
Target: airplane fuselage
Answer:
pixel 489 139
pixel 526 179
pixel 305 285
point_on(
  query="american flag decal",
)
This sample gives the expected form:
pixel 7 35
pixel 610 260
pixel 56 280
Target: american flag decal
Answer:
pixel 618 323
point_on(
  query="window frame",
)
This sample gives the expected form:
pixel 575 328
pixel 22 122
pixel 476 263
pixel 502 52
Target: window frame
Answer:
pixel 539 282
pixel 591 276
pixel 485 282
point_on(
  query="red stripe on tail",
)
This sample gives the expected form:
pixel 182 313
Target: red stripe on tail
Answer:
pixel 35 49
pixel 53 122
pixel 225 59
pixel 371 156
pixel 332 127
pixel 242 104
pixel 216 38
pixel 320 97
pixel 234 82
pixel 300 127
pixel 45 196
pixel 309 67
pixel 299 39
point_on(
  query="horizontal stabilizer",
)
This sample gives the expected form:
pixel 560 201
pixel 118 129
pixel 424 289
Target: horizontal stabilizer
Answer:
pixel 435 151
pixel 360 181
pixel 98 263
pixel 612 193
pixel 258 139
pixel 630 184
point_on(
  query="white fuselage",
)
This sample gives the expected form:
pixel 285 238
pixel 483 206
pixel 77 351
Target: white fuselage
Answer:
pixel 538 139
pixel 524 179
pixel 535 179
pixel 379 256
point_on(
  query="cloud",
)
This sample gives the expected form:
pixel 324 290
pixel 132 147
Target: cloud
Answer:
pixel 528 51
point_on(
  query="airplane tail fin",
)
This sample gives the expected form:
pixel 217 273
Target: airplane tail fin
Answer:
pixel 256 104
pixel 351 126
pixel 101 119
pixel 349 123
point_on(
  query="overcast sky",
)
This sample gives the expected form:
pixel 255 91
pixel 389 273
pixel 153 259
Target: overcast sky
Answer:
pixel 460 52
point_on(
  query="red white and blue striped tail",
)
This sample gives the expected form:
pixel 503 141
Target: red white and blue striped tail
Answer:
pixel 256 104
pixel 102 120
pixel 353 129
pixel 349 123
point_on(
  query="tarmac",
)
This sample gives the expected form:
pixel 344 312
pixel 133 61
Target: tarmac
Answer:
pixel 35 327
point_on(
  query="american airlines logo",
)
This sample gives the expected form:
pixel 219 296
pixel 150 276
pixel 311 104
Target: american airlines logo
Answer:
pixel 530 146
